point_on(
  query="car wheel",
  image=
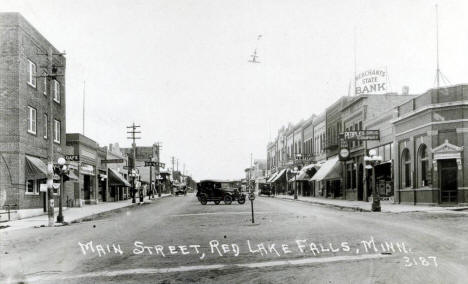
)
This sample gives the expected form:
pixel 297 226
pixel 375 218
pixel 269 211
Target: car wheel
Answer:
pixel 217 202
pixel 227 199
pixel 241 200
pixel 203 200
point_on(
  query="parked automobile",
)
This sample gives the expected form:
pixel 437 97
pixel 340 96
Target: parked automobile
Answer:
pixel 181 190
pixel 217 191
pixel 265 189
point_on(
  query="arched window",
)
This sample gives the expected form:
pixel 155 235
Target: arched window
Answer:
pixel 422 166
pixel 406 169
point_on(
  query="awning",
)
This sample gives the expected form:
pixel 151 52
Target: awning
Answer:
pixel 272 177
pixel 280 174
pixel 329 170
pixel 35 168
pixel 72 176
pixel 115 178
pixel 303 176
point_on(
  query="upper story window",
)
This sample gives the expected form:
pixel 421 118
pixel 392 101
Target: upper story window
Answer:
pixel 44 83
pixel 32 74
pixel 56 131
pixel 56 91
pixel 32 123
pixel 46 122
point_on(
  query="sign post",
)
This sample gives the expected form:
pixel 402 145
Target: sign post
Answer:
pixel 252 198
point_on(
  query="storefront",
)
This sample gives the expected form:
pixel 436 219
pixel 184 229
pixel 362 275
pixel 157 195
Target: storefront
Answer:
pixel 86 189
pixel 328 179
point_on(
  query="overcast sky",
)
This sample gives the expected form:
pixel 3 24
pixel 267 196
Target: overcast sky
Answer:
pixel 180 68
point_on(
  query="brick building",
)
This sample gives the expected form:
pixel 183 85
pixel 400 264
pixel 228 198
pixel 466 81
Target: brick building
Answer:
pixel 369 112
pixel 431 164
pixel 25 94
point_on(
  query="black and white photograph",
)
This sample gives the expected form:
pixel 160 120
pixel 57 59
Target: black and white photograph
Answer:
pixel 233 141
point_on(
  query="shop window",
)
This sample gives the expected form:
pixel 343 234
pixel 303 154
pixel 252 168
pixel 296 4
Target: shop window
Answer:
pixel 406 169
pixel 423 166
pixel 30 187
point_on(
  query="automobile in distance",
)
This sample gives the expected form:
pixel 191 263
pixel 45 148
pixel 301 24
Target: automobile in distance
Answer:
pixel 217 191
pixel 181 190
pixel 264 189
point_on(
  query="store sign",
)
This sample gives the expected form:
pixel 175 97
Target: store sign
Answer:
pixel 372 81
pixel 87 169
pixel 112 161
pixel 74 158
pixel 361 135
pixel 343 154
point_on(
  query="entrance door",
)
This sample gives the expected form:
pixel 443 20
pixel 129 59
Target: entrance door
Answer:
pixel 87 187
pixel 360 188
pixel 448 181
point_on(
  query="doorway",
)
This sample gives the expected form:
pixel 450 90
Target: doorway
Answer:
pixel 87 187
pixel 360 188
pixel 448 181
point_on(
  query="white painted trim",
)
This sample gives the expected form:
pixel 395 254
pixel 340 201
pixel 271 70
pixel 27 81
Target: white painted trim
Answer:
pixel 428 107
pixel 429 124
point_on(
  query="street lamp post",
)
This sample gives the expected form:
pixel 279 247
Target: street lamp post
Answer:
pixel 373 160
pixel 62 170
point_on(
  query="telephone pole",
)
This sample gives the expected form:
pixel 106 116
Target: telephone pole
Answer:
pixel 51 76
pixel 133 137
pixel 158 149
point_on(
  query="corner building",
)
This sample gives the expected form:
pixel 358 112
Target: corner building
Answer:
pixel 431 162
pixel 24 113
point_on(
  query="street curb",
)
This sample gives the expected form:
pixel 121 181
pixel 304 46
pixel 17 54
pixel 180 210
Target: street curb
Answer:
pixel 341 207
pixel 94 216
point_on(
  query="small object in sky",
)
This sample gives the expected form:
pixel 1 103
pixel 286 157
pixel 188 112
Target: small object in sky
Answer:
pixel 259 37
pixel 254 57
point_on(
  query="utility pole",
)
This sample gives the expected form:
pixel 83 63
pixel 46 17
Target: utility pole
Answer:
pixel 51 74
pixel 173 160
pixel 133 133
pixel 250 173
pixel 84 86
pixel 158 148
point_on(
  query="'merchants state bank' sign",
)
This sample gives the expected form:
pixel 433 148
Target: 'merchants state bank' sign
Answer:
pixel 373 81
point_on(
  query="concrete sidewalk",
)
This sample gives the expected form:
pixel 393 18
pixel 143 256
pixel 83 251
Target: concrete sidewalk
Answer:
pixel 73 214
pixel 386 206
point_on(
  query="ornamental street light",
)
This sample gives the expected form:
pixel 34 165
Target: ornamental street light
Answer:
pixel 371 162
pixel 61 169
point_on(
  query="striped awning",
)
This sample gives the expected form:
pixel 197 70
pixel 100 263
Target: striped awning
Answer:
pixel 35 168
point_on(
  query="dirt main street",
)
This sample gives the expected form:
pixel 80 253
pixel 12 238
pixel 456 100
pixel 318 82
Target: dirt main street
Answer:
pixel 178 240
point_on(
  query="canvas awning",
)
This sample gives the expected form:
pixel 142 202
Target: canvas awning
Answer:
pixel 35 168
pixel 115 178
pixel 280 174
pixel 329 170
pixel 302 175
pixel 272 177
pixel 72 176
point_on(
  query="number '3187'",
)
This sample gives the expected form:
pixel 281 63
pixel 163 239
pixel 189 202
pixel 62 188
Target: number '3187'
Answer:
pixel 423 261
